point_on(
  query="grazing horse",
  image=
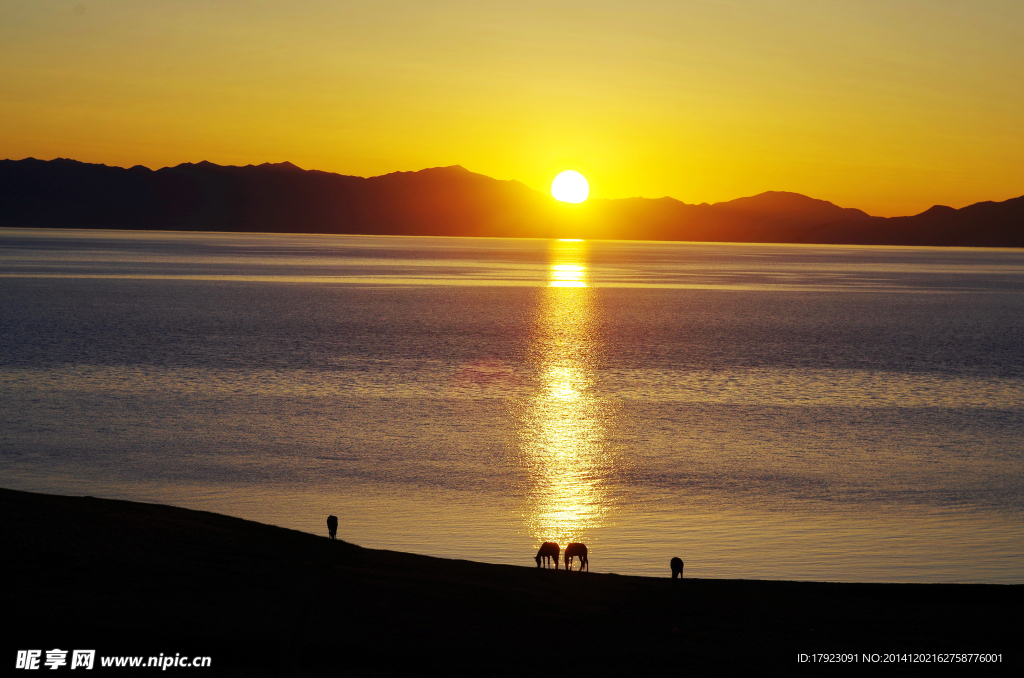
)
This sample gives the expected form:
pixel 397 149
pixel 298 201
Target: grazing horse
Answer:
pixel 548 551
pixel 332 526
pixel 677 567
pixel 575 550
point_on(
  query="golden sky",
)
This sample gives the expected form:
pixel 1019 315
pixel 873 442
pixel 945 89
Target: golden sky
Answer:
pixel 886 105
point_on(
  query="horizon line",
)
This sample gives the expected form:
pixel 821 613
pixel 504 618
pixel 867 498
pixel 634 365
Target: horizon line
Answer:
pixel 290 164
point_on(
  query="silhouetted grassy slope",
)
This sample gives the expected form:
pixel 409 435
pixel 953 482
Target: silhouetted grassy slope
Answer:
pixel 448 201
pixel 141 579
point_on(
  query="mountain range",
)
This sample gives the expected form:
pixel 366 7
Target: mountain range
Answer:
pixel 450 201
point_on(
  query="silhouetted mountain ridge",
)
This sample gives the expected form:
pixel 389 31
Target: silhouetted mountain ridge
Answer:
pixel 449 201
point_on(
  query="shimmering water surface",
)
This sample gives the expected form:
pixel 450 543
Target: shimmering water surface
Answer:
pixel 762 411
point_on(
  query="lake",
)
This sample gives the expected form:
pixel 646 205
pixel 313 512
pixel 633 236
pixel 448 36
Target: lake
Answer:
pixel 761 411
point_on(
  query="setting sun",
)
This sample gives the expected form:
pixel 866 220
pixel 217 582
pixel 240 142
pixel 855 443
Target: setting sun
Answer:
pixel 570 186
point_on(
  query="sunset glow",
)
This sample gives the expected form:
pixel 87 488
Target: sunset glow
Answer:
pixel 439 338
pixel 886 107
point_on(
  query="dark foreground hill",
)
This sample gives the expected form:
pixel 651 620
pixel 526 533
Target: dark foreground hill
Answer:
pixel 449 201
pixel 139 579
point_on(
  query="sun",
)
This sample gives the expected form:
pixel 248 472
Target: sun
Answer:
pixel 570 186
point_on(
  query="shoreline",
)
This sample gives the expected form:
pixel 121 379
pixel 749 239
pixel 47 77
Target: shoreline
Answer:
pixel 129 578
pixel 782 243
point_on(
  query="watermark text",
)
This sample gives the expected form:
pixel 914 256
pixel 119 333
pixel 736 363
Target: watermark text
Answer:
pixel 34 660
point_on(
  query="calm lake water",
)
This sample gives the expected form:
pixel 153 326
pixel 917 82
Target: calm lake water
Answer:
pixel 762 411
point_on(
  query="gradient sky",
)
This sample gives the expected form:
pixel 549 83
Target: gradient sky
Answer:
pixel 886 105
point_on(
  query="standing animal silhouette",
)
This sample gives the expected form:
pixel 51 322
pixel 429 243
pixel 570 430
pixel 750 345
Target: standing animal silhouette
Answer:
pixel 332 526
pixel 548 551
pixel 677 567
pixel 575 550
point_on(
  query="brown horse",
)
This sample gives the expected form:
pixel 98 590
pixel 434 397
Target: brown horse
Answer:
pixel 677 567
pixel 575 550
pixel 548 551
pixel 332 526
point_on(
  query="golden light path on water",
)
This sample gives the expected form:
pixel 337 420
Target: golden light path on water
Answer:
pixel 562 431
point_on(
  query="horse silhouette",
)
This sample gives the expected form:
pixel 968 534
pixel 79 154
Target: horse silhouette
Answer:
pixel 575 550
pixel 332 526
pixel 677 567
pixel 548 551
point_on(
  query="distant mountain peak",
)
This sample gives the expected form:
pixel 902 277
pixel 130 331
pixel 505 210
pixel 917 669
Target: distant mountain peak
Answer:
pixel 939 209
pixel 449 169
pixel 776 199
pixel 790 204
pixel 206 164
pixel 279 165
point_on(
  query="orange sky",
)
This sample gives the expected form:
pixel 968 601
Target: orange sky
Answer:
pixel 886 105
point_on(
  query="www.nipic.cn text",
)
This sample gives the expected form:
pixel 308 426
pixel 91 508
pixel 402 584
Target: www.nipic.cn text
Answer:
pixel 32 660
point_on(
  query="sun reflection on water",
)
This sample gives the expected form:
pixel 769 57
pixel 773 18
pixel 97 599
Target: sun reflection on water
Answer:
pixel 568 275
pixel 562 431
